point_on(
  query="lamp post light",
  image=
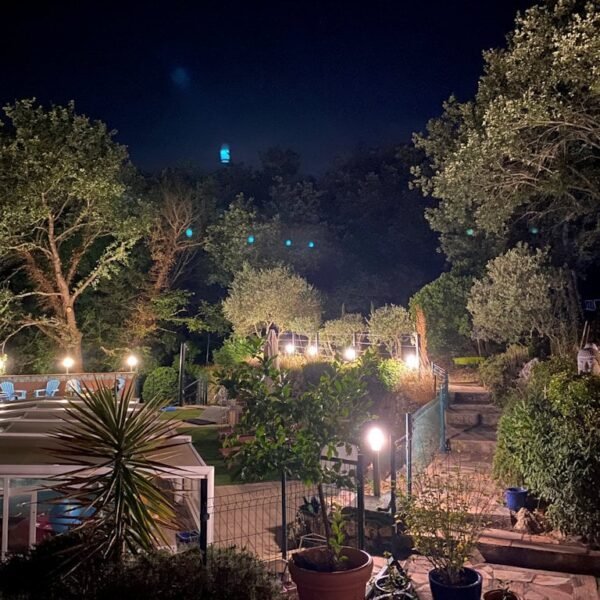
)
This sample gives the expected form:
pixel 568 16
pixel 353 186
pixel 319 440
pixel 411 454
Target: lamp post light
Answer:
pixel 132 362
pixel 290 348
pixel 349 353
pixel 376 440
pixel 68 363
pixel 312 351
pixel 412 362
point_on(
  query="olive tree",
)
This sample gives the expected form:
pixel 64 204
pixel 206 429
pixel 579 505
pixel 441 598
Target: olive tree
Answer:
pixel 262 298
pixel 388 324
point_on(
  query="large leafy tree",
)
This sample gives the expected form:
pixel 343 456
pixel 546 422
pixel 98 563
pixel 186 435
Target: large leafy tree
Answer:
pixel 520 297
pixel 521 161
pixel 261 298
pixel 388 325
pixel 66 219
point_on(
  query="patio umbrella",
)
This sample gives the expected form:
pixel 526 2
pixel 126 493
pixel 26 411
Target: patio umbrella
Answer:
pixel 272 346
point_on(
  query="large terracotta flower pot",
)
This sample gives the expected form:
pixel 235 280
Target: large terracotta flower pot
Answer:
pixel 349 584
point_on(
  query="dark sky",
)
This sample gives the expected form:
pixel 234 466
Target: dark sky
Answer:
pixel 320 76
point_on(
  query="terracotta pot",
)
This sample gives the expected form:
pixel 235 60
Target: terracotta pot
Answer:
pixel 500 595
pixel 338 585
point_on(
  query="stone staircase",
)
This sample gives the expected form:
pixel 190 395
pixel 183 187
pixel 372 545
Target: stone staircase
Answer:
pixel 471 421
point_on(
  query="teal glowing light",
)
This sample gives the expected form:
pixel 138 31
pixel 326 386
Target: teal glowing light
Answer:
pixel 189 232
pixel 250 239
pixel 311 244
pixel 534 230
pixel 470 231
pixel 288 243
pixel 225 154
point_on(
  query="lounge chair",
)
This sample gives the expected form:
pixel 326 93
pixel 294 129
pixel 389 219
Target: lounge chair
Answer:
pixel 8 389
pixel 74 387
pixel 50 390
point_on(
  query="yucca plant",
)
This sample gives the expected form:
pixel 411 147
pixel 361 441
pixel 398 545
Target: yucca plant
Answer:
pixel 115 485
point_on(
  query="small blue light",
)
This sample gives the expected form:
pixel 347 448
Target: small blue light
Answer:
pixel 225 154
pixel 189 232
pixel 288 243
pixel 534 230
pixel 311 244
pixel 470 231
pixel 250 239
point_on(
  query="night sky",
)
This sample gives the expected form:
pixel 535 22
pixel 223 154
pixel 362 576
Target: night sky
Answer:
pixel 178 79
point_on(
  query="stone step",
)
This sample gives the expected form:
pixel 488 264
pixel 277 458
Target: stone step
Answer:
pixel 479 440
pixel 471 398
pixel 471 418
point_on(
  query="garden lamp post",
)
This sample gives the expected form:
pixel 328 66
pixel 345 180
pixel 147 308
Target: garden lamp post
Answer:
pixel 376 440
pixel 67 363
pixel 132 362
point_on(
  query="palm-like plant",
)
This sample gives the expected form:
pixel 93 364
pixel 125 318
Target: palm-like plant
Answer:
pixel 116 448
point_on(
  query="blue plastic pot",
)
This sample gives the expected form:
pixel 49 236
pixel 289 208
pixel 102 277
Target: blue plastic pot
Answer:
pixel 515 498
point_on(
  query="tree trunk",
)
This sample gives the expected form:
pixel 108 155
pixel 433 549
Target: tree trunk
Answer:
pixel 73 340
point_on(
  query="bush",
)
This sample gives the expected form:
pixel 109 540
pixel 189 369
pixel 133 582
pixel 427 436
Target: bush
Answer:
pixel 227 575
pixel 234 351
pixel 391 372
pixel 161 383
pixel 468 361
pixel 549 439
pixel 499 373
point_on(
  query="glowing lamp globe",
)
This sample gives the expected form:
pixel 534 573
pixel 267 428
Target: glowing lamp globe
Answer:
pixel 290 348
pixel 68 362
pixel 350 353
pixel 375 439
pixel 312 351
pixel 412 362
pixel 132 361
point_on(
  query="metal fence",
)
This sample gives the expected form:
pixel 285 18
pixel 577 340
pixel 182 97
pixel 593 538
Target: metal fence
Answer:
pixel 271 519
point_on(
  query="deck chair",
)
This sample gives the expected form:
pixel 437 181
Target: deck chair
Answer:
pixel 50 390
pixel 8 389
pixel 74 387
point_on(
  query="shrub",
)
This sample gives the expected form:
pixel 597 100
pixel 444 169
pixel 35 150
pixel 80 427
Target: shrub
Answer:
pixel 234 351
pixel 549 438
pixel 391 373
pixel 468 361
pixel 499 372
pixel 161 383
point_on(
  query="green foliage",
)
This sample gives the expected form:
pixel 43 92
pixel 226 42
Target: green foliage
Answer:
pixel 549 439
pixel 161 384
pixel 444 304
pixel 499 372
pixel 522 153
pixel 227 574
pixel 127 509
pixel 391 372
pixel 468 361
pixel 261 298
pixel 388 324
pixel 338 536
pixel 233 351
pixel 520 297
pixel 338 333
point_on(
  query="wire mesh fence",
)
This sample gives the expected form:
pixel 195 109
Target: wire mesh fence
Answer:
pixel 271 519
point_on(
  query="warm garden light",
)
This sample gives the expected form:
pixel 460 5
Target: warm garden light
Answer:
pixel 350 353
pixel 375 439
pixel 68 363
pixel 290 348
pixel 312 351
pixel 412 362
pixel 132 361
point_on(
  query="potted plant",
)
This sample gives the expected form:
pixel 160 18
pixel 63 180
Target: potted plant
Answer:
pixel 291 431
pixel 515 498
pixel 502 592
pixel 444 517
pixel 394 584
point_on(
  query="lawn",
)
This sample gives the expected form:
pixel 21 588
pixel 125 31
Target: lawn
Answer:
pixel 206 441
pixel 183 413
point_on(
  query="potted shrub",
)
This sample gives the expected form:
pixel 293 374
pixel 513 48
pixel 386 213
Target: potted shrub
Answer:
pixel 515 498
pixel 445 516
pixel 291 430
pixel 502 592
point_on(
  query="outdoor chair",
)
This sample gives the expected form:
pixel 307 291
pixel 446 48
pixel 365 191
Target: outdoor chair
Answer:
pixel 8 390
pixel 50 390
pixel 74 387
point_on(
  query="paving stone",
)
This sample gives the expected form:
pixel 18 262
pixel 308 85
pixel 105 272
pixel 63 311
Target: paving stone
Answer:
pixel 551 580
pixel 514 574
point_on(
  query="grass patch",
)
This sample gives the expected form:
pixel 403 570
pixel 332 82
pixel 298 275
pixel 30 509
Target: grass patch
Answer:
pixel 183 413
pixel 206 441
